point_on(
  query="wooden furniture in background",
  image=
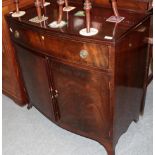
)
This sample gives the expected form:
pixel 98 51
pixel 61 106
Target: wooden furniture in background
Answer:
pixel 12 84
pixel 134 5
pixel 92 86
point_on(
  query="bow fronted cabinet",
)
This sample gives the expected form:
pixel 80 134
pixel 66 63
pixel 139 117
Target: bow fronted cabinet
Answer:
pixel 93 86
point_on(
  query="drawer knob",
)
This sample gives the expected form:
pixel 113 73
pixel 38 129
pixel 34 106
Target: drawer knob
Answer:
pixel 84 54
pixel 16 34
pixel 11 29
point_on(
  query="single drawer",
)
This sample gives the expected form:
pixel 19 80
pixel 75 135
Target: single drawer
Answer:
pixel 89 54
pixel 77 52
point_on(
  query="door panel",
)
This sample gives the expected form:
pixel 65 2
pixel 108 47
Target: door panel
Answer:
pixel 36 80
pixel 83 99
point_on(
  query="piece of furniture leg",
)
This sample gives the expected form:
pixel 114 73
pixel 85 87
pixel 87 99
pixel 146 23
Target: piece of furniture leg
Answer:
pixel 29 106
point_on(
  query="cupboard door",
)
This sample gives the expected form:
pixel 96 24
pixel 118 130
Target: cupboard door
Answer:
pixel 83 99
pixel 35 76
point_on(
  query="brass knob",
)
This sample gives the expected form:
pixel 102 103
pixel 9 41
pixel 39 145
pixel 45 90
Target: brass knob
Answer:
pixel 130 44
pixel 142 29
pixel 16 34
pixel 84 54
pixel 11 29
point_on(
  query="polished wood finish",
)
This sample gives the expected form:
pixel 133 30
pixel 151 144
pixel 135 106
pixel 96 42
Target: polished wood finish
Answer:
pixel 131 63
pixel 98 21
pixel 12 84
pixel 39 94
pixel 61 48
pixel 74 85
pixel 91 86
pixel 149 67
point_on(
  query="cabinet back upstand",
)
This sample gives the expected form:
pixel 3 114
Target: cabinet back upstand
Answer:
pixel 90 86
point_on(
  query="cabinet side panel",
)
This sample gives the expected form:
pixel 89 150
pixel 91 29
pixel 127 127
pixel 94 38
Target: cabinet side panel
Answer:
pixel 130 69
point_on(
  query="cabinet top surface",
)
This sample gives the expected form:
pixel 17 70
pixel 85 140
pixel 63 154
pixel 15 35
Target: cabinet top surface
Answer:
pixel 107 31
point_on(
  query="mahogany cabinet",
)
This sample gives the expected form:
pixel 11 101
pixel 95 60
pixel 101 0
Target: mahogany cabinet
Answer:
pixel 12 84
pixel 91 86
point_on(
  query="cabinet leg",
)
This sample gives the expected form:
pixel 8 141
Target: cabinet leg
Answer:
pixel 143 102
pixel 136 120
pixel 111 152
pixel 110 148
pixel 29 106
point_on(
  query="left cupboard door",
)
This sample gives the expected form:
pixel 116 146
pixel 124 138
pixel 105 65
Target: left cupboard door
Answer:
pixel 35 74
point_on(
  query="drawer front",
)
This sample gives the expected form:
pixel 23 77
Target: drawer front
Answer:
pixel 77 52
pixel 89 54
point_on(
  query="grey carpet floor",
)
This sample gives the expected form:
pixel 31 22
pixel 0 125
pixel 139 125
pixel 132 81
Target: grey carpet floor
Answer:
pixel 30 133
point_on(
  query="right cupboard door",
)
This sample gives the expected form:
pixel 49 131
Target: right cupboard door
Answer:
pixel 83 99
